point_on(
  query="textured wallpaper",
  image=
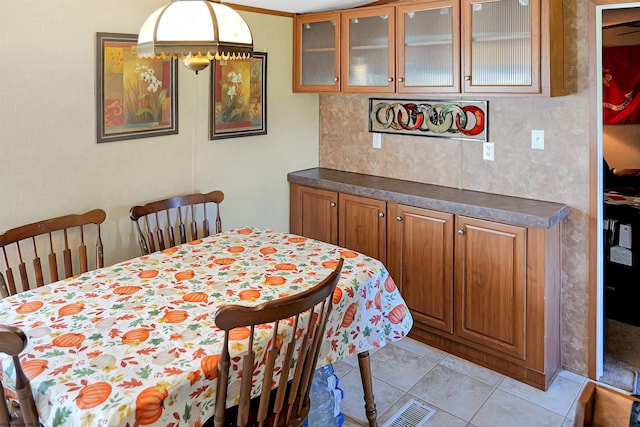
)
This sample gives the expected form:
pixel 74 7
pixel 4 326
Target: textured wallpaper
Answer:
pixel 559 173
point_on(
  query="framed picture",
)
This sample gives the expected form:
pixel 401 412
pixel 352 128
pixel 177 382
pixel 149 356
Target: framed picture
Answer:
pixel 238 104
pixel 135 97
pixel 466 120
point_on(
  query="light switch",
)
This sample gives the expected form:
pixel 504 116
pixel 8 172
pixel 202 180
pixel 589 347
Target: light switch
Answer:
pixel 537 139
pixel 377 140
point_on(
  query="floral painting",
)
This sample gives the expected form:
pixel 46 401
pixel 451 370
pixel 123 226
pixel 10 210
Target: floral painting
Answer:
pixel 238 97
pixel 136 97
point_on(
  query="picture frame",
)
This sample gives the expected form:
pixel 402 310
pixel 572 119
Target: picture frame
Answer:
pixel 234 110
pixel 135 97
pixel 455 119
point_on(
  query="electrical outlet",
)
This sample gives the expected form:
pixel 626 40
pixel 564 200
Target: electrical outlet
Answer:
pixel 377 140
pixel 537 139
pixel 488 151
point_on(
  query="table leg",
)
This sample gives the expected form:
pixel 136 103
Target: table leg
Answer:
pixel 367 385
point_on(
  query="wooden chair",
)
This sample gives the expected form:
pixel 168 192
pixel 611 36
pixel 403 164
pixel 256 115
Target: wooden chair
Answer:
pixel 602 406
pixel 305 314
pixel 158 231
pixel 12 342
pixel 57 236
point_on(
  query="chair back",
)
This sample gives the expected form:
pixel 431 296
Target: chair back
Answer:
pixel 12 342
pixel 296 326
pixel 158 223
pixel 62 239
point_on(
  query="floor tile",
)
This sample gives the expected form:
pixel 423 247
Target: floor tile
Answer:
pixel 571 376
pixel 353 360
pixel 475 371
pixel 454 392
pixel 567 422
pixel 421 349
pixel 348 422
pixel 506 410
pixel 558 397
pixel 439 419
pixel 399 367
pixel 353 403
pixel 341 368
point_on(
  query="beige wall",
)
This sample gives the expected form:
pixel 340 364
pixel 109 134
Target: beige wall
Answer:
pixel 559 173
pixel 621 146
pixel 50 163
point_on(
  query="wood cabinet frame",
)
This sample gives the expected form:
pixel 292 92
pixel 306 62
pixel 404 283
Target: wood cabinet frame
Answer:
pixel 547 50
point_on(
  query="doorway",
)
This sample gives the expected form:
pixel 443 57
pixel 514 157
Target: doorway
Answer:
pixel 616 22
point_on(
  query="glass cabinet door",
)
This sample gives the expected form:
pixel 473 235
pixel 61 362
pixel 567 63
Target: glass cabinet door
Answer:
pixel 502 45
pixel 428 46
pixel 368 50
pixel 317 53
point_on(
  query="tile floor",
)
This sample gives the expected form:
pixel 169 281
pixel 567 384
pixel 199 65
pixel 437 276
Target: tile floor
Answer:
pixel 462 393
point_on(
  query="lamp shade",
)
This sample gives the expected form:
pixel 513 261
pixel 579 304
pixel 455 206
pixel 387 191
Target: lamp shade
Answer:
pixel 195 30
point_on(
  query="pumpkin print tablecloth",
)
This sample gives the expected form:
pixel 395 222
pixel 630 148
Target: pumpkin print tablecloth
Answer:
pixel 128 345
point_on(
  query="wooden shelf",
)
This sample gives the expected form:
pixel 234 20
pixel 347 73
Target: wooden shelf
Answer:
pixel 319 49
pixel 497 38
pixel 370 47
pixel 429 43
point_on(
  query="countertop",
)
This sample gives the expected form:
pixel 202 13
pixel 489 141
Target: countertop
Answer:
pixel 493 207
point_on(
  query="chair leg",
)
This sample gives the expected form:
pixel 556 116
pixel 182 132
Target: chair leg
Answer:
pixel 367 385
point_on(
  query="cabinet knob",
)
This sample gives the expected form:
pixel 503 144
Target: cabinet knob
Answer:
pixel 390 79
pixel 335 79
pixel 333 205
pixel 467 78
pixel 400 79
pixel 461 232
pixel 381 214
pixel 399 218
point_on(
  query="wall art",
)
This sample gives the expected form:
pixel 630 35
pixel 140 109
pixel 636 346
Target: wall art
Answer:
pixel 238 104
pixel 466 120
pixel 135 97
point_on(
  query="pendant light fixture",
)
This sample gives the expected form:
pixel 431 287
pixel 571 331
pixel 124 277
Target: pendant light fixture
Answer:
pixel 196 31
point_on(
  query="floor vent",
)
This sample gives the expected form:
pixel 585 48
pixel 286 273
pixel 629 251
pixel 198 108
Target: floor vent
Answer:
pixel 412 414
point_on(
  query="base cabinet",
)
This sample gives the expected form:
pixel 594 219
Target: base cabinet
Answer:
pixel 421 263
pixel 362 225
pixel 490 288
pixel 314 213
pixel 483 290
pixel 354 222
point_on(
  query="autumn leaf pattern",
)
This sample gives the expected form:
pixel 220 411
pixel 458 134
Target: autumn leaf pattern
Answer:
pixel 143 326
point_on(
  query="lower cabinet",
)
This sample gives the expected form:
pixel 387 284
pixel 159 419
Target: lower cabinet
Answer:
pixel 489 287
pixel 362 225
pixel 354 222
pixel 486 291
pixel 314 213
pixel 421 263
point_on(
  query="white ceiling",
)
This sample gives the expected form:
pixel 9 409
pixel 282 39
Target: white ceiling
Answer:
pixel 621 27
pixel 301 6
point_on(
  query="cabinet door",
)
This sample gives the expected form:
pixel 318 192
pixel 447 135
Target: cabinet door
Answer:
pixel 368 57
pixel 363 225
pixel 421 263
pixel 428 46
pixel 317 53
pixel 314 213
pixel 490 291
pixel 501 44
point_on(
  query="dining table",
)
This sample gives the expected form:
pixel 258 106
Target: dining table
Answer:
pixel 132 344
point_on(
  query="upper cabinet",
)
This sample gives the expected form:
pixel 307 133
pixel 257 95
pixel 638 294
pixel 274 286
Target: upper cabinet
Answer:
pixel 368 50
pixel 434 46
pixel 316 46
pixel 428 47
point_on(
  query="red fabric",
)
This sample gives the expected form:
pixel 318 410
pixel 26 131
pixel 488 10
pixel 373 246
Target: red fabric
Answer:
pixel 621 84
